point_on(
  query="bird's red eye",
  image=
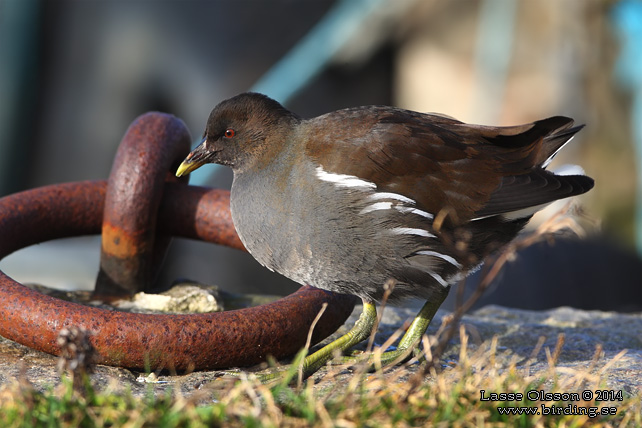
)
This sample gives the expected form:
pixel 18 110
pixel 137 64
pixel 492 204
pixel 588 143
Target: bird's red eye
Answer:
pixel 229 133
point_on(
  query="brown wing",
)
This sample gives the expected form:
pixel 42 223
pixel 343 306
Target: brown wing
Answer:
pixel 440 162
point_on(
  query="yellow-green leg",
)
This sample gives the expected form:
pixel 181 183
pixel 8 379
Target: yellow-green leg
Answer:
pixel 411 338
pixel 358 333
pixel 363 328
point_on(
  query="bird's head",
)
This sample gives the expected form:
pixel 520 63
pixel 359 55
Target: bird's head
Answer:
pixel 239 131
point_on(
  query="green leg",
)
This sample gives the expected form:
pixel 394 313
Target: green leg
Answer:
pixel 360 332
pixel 411 338
pixel 363 328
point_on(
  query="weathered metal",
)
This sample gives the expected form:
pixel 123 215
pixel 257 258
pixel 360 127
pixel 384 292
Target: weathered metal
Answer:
pixel 143 341
pixel 132 251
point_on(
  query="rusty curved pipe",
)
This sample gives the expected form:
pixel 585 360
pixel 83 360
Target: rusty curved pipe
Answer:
pixel 179 342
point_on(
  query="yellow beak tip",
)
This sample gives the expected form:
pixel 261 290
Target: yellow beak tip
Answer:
pixel 185 168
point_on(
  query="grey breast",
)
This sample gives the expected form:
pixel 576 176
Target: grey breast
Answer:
pixel 338 232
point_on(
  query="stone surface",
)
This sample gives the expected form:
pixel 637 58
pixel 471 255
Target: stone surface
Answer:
pixel 178 299
pixel 517 331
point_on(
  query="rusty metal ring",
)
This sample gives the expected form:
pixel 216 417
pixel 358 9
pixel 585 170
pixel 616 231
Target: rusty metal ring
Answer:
pixel 179 342
pixel 132 251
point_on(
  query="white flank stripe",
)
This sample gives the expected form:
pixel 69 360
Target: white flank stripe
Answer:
pixel 343 180
pixel 414 211
pixel 445 257
pixel 438 278
pixel 411 231
pixel 376 206
pixel 388 195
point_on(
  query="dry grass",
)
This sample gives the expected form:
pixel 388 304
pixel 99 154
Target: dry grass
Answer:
pixel 449 397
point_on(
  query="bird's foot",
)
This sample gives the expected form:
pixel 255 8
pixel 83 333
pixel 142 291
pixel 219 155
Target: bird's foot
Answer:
pixel 366 361
pixel 275 374
pixel 303 366
pixel 378 358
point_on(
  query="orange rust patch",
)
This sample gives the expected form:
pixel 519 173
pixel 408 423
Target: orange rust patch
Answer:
pixel 116 242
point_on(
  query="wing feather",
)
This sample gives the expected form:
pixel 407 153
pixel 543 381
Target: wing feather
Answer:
pixel 442 163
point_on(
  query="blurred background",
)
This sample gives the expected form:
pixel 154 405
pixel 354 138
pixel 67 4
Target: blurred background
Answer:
pixel 75 74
